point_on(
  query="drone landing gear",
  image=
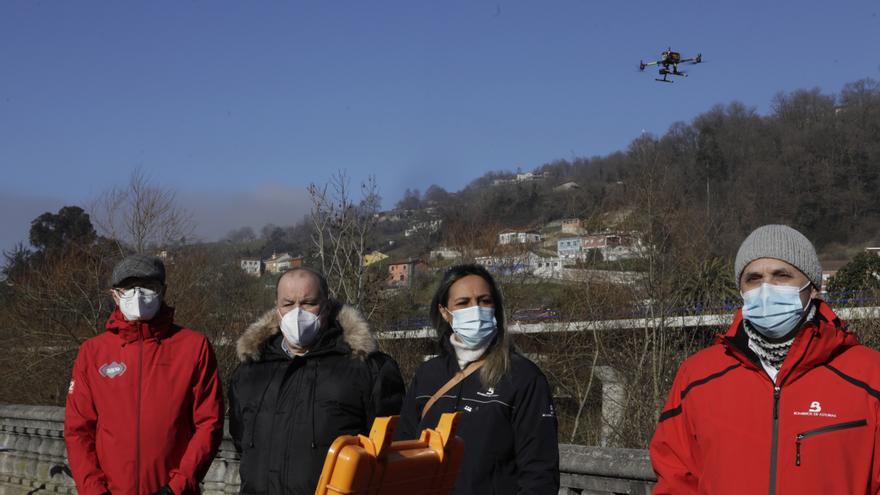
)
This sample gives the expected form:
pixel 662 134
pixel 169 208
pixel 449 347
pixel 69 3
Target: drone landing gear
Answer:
pixel 666 73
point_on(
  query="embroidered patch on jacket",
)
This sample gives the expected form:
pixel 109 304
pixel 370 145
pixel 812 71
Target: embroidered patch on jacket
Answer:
pixel 112 370
pixel 489 393
pixel 816 410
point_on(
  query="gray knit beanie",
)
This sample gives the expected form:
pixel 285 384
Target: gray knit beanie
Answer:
pixel 780 242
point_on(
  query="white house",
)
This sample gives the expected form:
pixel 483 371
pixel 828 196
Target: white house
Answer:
pixel 426 226
pixel 526 263
pixel 547 267
pixel 529 176
pixel 519 237
pixel 252 266
pixel 444 253
pixel 570 247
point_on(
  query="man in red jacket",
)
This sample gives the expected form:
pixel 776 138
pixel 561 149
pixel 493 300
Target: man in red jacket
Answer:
pixel 786 401
pixel 144 410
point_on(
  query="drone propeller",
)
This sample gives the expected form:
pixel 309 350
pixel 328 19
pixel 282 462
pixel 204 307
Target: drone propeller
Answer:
pixel 642 65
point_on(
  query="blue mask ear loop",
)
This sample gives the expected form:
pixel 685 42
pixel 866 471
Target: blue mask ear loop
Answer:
pixel 808 300
pixel 449 314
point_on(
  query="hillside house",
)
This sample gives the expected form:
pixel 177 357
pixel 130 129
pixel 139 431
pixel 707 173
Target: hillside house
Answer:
pixel 279 263
pixel 402 272
pixel 519 237
pixel 252 266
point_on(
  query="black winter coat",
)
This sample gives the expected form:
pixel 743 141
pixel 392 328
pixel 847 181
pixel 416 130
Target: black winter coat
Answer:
pixel 509 431
pixel 285 412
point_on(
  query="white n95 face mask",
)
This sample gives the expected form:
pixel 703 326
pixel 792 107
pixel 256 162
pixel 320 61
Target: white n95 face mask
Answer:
pixel 300 327
pixel 474 326
pixel 139 304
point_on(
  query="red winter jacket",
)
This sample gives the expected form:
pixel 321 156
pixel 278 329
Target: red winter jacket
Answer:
pixel 727 428
pixel 144 408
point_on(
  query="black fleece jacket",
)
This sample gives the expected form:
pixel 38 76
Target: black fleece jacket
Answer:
pixel 285 413
pixel 509 430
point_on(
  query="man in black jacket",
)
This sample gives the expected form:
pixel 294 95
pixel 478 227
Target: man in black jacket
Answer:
pixel 310 371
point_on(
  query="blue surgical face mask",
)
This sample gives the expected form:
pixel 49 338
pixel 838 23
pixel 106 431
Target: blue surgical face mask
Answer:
pixel 773 310
pixel 474 326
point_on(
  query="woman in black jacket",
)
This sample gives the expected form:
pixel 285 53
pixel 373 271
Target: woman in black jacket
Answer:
pixel 508 425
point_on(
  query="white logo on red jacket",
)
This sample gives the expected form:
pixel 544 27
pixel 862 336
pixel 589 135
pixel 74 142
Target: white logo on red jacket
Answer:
pixel 815 409
pixel 112 370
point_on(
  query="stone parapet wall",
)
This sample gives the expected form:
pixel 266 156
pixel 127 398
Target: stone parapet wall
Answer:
pixel 33 460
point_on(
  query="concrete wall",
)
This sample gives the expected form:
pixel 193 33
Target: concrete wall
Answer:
pixel 33 460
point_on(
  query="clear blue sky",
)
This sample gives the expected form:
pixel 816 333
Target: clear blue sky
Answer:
pixel 245 103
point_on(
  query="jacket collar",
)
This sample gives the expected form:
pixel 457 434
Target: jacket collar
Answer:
pixel 160 326
pixel 347 332
pixel 818 341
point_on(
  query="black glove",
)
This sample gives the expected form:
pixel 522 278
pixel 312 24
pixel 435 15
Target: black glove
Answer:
pixel 165 490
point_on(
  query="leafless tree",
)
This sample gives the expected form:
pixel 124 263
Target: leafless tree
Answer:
pixel 342 233
pixel 142 216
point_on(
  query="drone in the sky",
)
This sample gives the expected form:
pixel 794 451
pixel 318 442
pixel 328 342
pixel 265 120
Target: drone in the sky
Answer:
pixel 669 61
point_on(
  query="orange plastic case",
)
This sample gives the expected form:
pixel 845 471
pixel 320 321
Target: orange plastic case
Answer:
pixel 376 466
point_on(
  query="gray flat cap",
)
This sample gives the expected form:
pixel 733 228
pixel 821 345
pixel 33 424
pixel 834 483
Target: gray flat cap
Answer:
pixel 138 266
pixel 779 242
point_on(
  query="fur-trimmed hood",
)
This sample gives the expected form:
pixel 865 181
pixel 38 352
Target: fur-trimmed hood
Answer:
pixel 355 332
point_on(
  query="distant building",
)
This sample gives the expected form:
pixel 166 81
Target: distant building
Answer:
pixel 374 257
pixel 829 270
pixel 529 176
pixel 282 262
pixel 873 250
pixel 426 226
pixel 523 264
pixel 519 237
pixel 567 186
pixel 570 247
pixel 572 226
pixel 252 266
pixel 444 253
pixel 401 273
pixel 613 246
pixel 547 267
pixel 507 265
pixel 519 178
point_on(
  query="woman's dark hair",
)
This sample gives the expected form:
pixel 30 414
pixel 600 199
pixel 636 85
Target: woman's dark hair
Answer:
pixel 498 354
